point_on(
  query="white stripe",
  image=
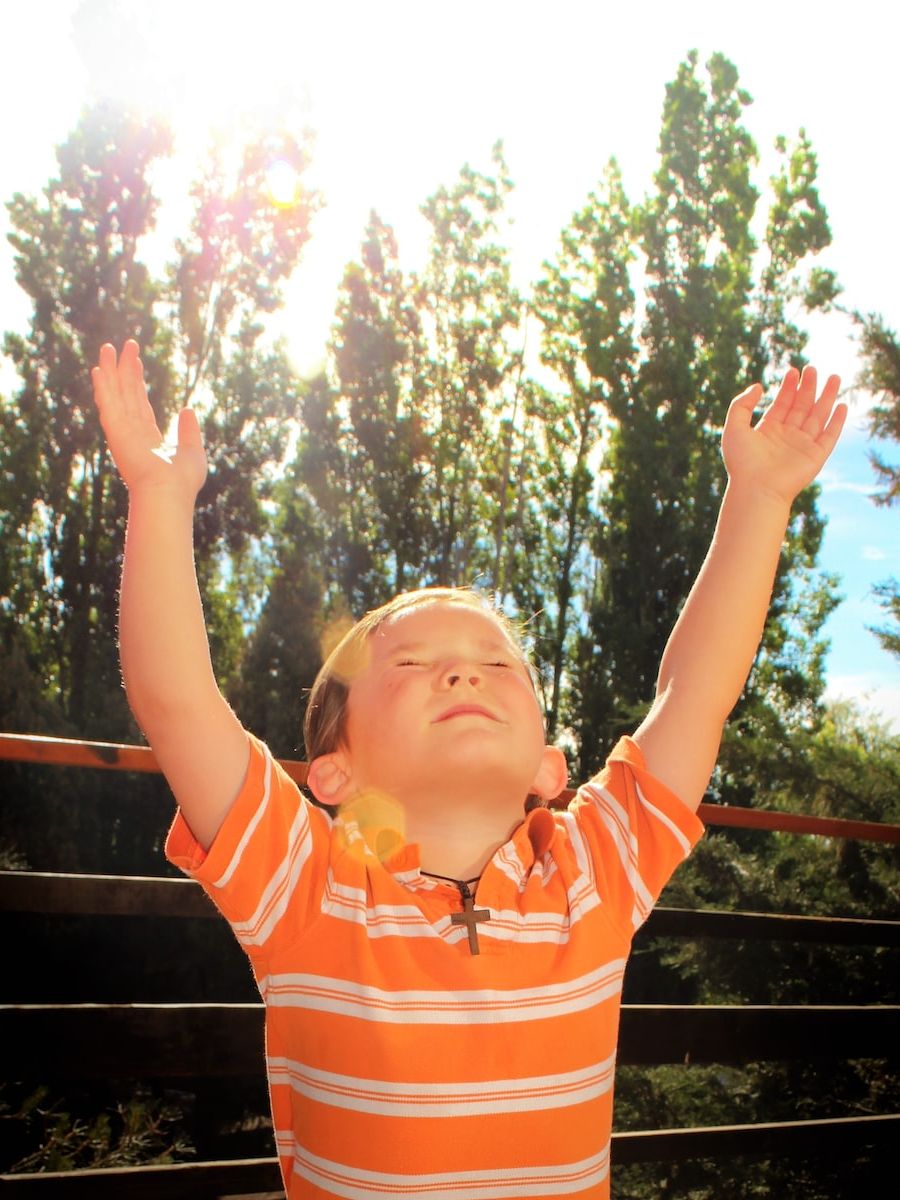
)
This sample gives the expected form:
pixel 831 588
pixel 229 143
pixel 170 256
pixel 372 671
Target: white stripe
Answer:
pixel 509 924
pixel 281 887
pixel 509 1183
pixel 582 856
pixel 679 837
pixel 507 860
pixel 460 1007
pixel 415 881
pixel 544 873
pixel 225 877
pixel 346 903
pixel 615 818
pixel 467 1099
pixel 407 920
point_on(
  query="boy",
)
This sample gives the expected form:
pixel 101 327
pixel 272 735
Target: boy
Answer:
pixel 441 978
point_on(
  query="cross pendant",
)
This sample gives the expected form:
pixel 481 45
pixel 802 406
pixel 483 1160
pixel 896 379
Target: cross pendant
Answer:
pixel 470 916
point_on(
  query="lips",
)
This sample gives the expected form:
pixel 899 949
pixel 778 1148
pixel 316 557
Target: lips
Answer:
pixel 465 710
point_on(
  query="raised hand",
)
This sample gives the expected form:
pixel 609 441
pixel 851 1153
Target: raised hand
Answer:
pixel 135 442
pixel 784 452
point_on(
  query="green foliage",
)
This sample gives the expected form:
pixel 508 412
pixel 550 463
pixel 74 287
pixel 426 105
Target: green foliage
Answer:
pixel 241 247
pixel 467 377
pixel 585 304
pixel 888 595
pixel 713 318
pixel 283 653
pixel 377 347
pixel 849 767
pixel 141 1129
pixel 61 510
pixel 880 375
pixel 880 350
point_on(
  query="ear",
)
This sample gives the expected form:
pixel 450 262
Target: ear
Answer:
pixel 328 778
pixel 552 774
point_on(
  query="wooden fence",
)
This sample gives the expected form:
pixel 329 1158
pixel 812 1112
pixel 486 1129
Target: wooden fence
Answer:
pixel 52 1042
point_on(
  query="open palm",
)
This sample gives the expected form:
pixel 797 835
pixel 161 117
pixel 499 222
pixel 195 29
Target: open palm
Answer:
pixel 786 449
pixel 135 442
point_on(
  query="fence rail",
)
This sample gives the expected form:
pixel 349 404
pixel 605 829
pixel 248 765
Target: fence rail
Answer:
pixel 62 752
pixel 258 1179
pixel 185 1041
pixel 146 896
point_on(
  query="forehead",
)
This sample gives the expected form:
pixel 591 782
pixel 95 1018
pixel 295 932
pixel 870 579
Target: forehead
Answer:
pixel 438 620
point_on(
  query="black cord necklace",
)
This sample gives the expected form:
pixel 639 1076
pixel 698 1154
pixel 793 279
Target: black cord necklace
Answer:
pixel 448 878
pixel 470 915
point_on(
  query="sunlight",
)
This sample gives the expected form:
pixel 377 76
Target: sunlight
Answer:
pixel 284 184
pixel 202 66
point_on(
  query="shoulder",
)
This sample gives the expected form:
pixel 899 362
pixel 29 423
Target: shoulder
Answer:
pixel 268 815
pixel 626 796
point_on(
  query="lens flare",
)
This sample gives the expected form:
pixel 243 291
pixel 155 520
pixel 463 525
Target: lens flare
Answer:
pixel 380 819
pixel 283 184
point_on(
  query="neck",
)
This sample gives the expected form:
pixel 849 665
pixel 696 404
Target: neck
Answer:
pixel 456 847
pixel 458 824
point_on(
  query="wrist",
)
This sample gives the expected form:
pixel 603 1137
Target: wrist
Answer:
pixel 162 498
pixel 760 497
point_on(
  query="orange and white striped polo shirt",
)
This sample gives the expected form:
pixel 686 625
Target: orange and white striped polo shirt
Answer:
pixel 401 1064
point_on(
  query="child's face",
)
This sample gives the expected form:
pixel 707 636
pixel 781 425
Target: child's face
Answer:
pixel 444 693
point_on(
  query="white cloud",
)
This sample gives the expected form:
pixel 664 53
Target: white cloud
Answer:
pixel 873 693
pixel 873 554
pixel 830 481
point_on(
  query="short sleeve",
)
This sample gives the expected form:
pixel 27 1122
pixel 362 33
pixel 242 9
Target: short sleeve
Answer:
pixel 636 833
pixel 266 869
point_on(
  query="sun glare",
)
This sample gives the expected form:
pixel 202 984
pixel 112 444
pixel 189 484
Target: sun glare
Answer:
pixel 283 184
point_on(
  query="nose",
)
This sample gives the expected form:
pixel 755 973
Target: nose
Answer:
pixel 458 671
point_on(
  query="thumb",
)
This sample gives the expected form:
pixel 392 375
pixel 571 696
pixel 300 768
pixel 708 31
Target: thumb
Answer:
pixel 189 435
pixel 740 410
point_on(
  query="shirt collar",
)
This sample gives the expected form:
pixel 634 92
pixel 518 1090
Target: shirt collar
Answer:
pixel 531 841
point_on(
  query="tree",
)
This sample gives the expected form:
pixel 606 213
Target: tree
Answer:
pixel 283 652
pixel 880 351
pixel 466 379
pixel 62 508
pixel 585 304
pixel 707 328
pixel 375 346
pixel 77 258
pixel 227 276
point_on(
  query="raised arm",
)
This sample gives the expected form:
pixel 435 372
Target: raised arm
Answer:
pixel 713 644
pixel 198 741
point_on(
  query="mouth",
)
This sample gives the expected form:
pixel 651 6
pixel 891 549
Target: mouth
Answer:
pixel 464 710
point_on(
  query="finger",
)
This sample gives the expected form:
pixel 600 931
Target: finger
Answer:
pixel 103 376
pixel 131 381
pixel 189 435
pixel 817 417
pixel 781 406
pixel 742 407
pixel 106 393
pixel 827 439
pixel 99 386
pixel 804 399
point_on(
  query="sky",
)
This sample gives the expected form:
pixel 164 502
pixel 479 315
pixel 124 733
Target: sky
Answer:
pixel 400 94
